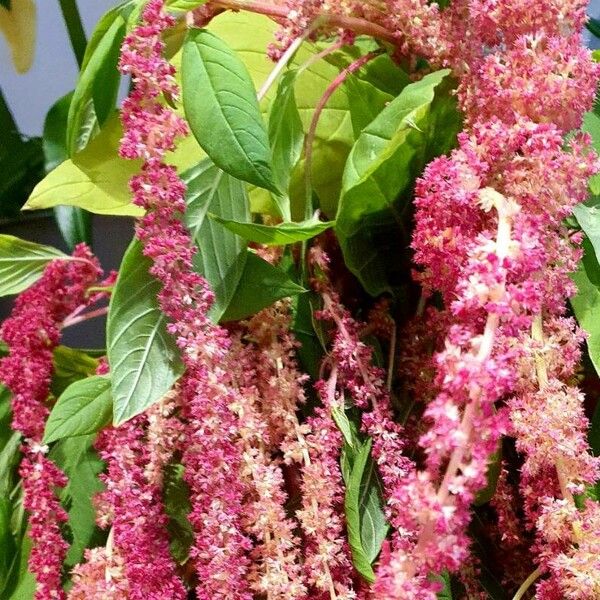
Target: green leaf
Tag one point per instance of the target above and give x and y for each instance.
(221, 107)
(222, 255)
(75, 225)
(346, 427)
(98, 82)
(586, 304)
(143, 357)
(55, 133)
(10, 443)
(96, 178)
(588, 217)
(25, 581)
(372, 89)
(493, 472)
(78, 459)
(184, 5)
(591, 125)
(85, 407)
(70, 365)
(373, 217)
(285, 131)
(260, 285)
(276, 235)
(365, 520)
(22, 263)
(446, 593)
(176, 498)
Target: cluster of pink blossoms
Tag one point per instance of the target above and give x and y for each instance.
(31, 333)
(489, 239)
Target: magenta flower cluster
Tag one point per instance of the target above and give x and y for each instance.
(31, 333)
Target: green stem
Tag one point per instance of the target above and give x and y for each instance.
(74, 25)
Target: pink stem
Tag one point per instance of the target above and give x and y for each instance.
(312, 130)
(357, 25)
(75, 318)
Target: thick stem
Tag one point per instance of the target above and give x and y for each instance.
(75, 29)
(357, 25)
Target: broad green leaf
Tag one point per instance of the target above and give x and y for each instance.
(285, 131)
(143, 357)
(221, 107)
(22, 263)
(70, 365)
(276, 235)
(586, 304)
(85, 407)
(260, 285)
(588, 217)
(176, 498)
(305, 328)
(373, 216)
(97, 178)
(7, 544)
(365, 520)
(98, 82)
(75, 225)
(78, 459)
(221, 254)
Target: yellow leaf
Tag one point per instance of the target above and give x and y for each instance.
(19, 26)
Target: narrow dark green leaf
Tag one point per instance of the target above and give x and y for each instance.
(221, 107)
(75, 225)
(345, 426)
(591, 125)
(98, 82)
(493, 472)
(285, 131)
(55, 133)
(260, 285)
(276, 235)
(143, 357)
(221, 254)
(22, 263)
(365, 520)
(177, 507)
(78, 459)
(84, 408)
(373, 219)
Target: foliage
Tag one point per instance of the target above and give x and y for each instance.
(336, 354)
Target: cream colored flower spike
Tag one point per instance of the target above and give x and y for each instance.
(19, 28)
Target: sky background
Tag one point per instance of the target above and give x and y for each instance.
(54, 70)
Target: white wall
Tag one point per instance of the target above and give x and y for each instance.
(54, 70)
